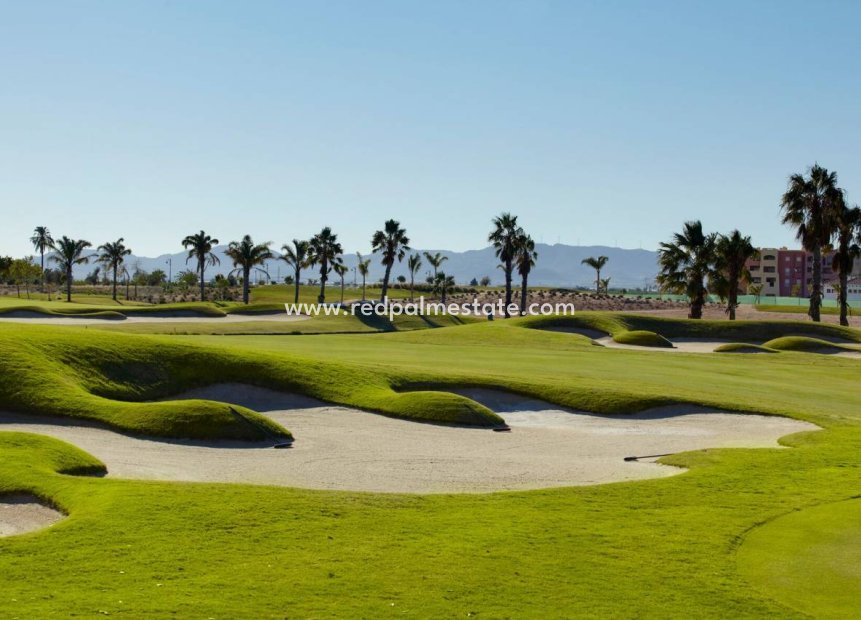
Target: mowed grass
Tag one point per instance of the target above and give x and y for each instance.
(659, 548)
(810, 559)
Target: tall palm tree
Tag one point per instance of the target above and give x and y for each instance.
(435, 261)
(808, 205)
(848, 224)
(504, 238)
(246, 255)
(525, 261)
(324, 250)
(596, 263)
(685, 262)
(68, 253)
(414, 263)
(112, 256)
(42, 242)
(731, 255)
(442, 284)
(392, 243)
(364, 267)
(296, 257)
(200, 247)
(341, 269)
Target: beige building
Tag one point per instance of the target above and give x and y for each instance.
(764, 271)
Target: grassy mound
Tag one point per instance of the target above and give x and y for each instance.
(743, 347)
(780, 557)
(642, 338)
(112, 379)
(809, 345)
(740, 331)
(42, 311)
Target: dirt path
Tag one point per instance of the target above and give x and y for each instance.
(346, 449)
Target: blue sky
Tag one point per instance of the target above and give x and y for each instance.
(597, 122)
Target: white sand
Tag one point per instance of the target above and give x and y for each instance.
(21, 513)
(342, 448)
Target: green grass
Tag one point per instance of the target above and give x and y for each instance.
(613, 323)
(742, 347)
(801, 309)
(659, 548)
(809, 560)
(109, 377)
(812, 345)
(642, 338)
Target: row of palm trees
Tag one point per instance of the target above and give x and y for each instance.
(815, 206)
(70, 252)
(694, 263)
(515, 249)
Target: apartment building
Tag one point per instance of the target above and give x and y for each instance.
(788, 273)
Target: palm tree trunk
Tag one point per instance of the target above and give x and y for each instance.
(697, 303)
(342, 290)
(296, 293)
(733, 294)
(844, 278)
(816, 293)
(597, 281)
(69, 284)
(321, 298)
(523, 290)
(202, 266)
(246, 273)
(363, 287)
(43, 271)
(386, 282)
(507, 287)
(412, 284)
(114, 287)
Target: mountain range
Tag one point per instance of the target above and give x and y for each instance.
(557, 265)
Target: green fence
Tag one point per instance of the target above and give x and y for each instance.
(765, 300)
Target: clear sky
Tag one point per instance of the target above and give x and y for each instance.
(601, 122)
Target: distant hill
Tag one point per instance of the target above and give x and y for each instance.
(557, 265)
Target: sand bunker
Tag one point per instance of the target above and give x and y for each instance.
(347, 449)
(22, 513)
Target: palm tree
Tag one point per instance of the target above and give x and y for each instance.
(296, 257)
(525, 261)
(504, 238)
(341, 269)
(324, 250)
(756, 291)
(112, 256)
(442, 284)
(42, 241)
(68, 253)
(597, 264)
(200, 246)
(414, 263)
(247, 255)
(685, 262)
(435, 261)
(848, 224)
(392, 242)
(730, 267)
(605, 285)
(364, 267)
(808, 205)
